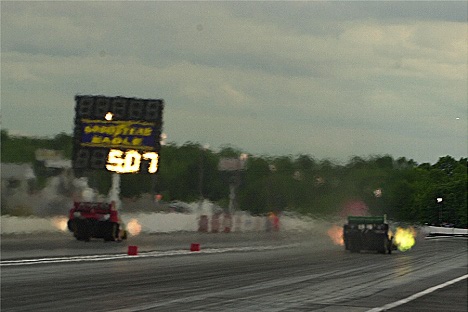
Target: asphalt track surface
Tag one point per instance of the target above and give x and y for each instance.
(231, 272)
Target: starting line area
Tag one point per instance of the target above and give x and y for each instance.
(152, 254)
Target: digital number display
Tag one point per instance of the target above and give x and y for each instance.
(117, 134)
(96, 107)
(130, 161)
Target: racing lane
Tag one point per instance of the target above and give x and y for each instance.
(286, 274)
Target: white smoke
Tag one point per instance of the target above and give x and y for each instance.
(156, 223)
(85, 192)
(56, 198)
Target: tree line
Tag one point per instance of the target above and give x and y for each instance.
(401, 188)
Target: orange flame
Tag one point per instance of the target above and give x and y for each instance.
(336, 235)
(60, 223)
(134, 227)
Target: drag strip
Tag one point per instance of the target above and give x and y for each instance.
(231, 273)
(154, 254)
(418, 295)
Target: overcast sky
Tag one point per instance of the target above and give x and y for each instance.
(328, 79)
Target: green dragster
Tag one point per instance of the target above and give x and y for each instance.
(368, 233)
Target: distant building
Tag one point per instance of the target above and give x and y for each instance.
(51, 163)
(17, 178)
(43, 154)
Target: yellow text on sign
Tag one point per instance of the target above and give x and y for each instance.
(130, 161)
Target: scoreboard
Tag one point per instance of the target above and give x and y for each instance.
(117, 134)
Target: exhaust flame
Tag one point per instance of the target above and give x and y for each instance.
(404, 238)
(60, 223)
(134, 227)
(336, 235)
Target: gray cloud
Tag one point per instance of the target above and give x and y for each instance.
(331, 79)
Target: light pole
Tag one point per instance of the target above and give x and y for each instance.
(233, 167)
(200, 175)
(439, 206)
(154, 181)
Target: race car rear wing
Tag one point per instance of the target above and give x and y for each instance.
(367, 220)
(92, 207)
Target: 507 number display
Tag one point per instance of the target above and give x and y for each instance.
(115, 160)
(130, 161)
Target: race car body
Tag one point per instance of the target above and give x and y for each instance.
(95, 220)
(367, 233)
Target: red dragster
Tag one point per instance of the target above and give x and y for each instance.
(96, 220)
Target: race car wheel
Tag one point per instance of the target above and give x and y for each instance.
(110, 233)
(115, 231)
(390, 245)
(83, 231)
(383, 248)
(77, 233)
(354, 246)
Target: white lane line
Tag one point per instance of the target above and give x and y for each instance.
(154, 254)
(451, 237)
(415, 296)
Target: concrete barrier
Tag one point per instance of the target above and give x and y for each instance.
(442, 231)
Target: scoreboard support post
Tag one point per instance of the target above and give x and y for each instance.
(114, 194)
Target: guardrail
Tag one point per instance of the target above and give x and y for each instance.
(442, 231)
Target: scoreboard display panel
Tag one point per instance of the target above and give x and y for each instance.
(117, 134)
